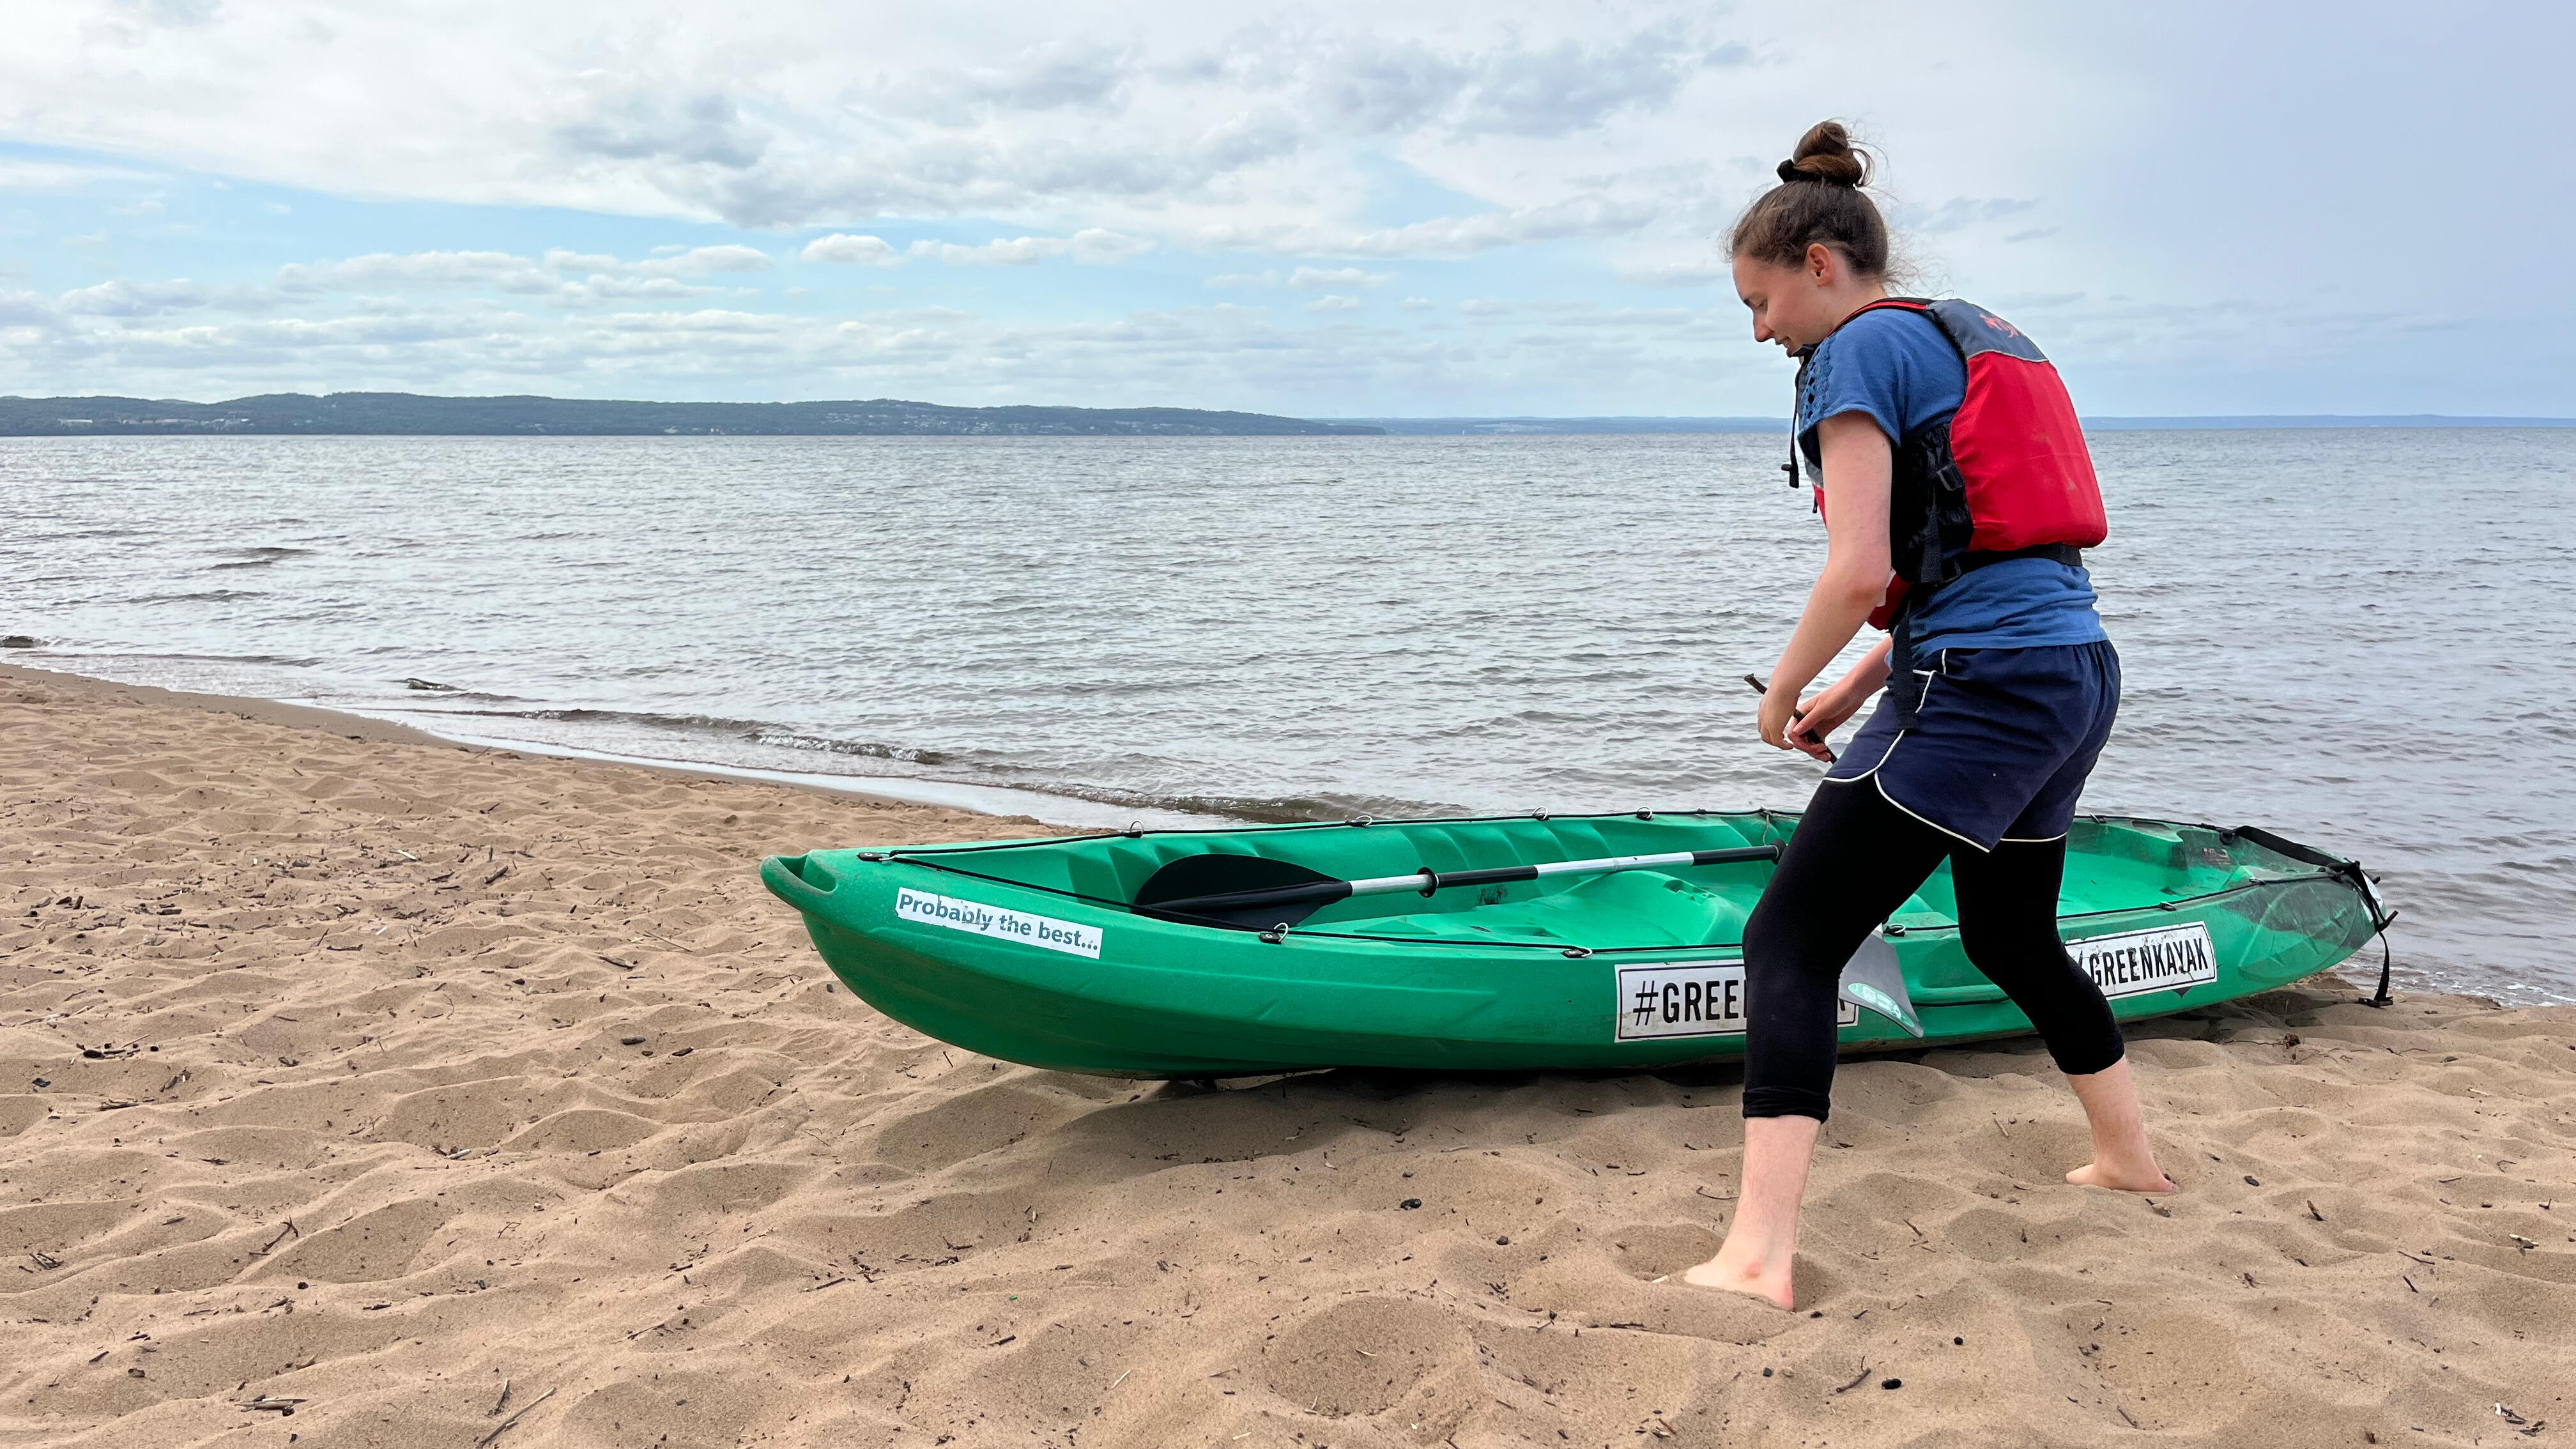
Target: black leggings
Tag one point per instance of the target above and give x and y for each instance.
(1852, 861)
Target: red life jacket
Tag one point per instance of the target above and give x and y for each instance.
(2005, 476)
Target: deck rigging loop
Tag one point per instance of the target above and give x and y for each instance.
(2351, 874)
(2387, 961)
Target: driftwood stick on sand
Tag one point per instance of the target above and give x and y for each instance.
(504, 1426)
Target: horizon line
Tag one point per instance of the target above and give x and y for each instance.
(1702, 419)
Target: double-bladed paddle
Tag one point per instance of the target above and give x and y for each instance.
(1273, 893)
(1180, 888)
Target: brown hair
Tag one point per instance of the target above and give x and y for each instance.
(1818, 200)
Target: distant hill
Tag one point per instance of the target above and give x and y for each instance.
(411, 413)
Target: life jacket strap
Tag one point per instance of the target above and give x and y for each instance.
(2065, 553)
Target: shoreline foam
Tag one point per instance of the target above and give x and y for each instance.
(342, 1115)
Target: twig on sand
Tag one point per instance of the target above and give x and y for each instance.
(281, 1236)
(505, 1424)
(1856, 1378)
(279, 1406)
(501, 1402)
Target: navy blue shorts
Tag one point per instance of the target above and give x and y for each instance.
(2000, 744)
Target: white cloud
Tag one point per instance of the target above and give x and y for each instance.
(1418, 304)
(864, 251)
(803, 113)
(1022, 252)
(1334, 302)
(1338, 277)
(21, 174)
(1098, 246)
(1581, 216)
(1581, 358)
(168, 12)
(27, 310)
(697, 260)
(1094, 246)
(564, 278)
(1534, 149)
(1699, 271)
(1957, 214)
(132, 299)
(1483, 307)
(505, 270)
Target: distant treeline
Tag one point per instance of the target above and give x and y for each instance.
(403, 412)
(412, 413)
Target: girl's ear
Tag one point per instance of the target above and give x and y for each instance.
(1821, 264)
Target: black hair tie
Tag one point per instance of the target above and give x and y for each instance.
(1789, 172)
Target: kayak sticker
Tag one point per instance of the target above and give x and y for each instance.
(1699, 998)
(2169, 958)
(979, 919)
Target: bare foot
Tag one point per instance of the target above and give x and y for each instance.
(2094, 1174)
(1717, 1272)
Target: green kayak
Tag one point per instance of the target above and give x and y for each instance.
(1511, 942)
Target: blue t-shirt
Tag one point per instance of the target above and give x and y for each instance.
(1899, 370)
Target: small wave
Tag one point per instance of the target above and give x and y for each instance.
(758, 732)
(202, 596)
(973, 767)
(862, 749)
(281, 661)
(445, 696)
(717, 724)
(1261, 809)
(260, 557)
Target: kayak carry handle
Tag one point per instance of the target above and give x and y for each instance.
(784, 875)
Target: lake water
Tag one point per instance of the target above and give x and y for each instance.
(2359, 638)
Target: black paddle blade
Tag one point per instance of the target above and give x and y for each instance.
(1211, 875)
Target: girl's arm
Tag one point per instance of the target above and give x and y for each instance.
(1857, 468)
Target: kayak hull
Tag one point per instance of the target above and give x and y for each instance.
(1026, 951)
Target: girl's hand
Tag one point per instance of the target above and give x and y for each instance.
(1806, 725)
(1777, 709)
(1818, 717)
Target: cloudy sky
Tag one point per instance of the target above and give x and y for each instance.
(1328, 209)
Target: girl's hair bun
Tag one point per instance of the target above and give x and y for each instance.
(1783, 222)
(1826, 154)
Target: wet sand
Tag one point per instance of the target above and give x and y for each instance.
(430, 1092)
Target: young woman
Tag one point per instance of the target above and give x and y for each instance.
(1956, 493)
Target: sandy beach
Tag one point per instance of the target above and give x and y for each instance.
(361, 1089)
